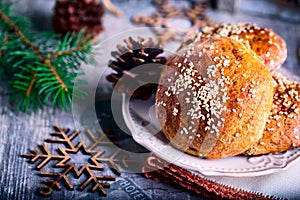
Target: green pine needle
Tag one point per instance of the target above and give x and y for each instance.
(40, 67)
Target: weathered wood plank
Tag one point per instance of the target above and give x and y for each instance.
(20, 132)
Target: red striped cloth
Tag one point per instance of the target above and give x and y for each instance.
(160, 170)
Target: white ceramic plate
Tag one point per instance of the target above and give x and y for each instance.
(136, 115)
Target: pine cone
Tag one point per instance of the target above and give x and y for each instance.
(137, 53)
(73, 15)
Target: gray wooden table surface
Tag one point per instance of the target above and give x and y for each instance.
(20, 132)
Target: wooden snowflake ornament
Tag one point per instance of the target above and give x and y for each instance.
(61, 136)
(116, 156)
(166, 12)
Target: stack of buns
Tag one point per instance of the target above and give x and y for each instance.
(219, 96)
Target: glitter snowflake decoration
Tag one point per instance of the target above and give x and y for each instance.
(62, 136)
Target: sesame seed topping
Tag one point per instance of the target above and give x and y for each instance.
(276, 117)
(278, 124)
(185, 130)
(167, 93)
(191, 64)
(216, 58)
(175, 111)
(211, 71)
(226, 61)
(294, 106)
(205, 94)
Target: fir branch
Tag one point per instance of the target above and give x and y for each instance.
(66, 52)
(5, 40)
(31, 84)
(24, 90)
(47, 62)
(52, 69)
(16, 29)
(40, 67)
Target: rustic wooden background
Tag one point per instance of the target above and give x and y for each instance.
(20, 132)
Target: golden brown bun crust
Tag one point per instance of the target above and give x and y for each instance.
(282, 131)
(270, 47)
(214, 98)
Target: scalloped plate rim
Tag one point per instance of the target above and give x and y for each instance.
(294, 154)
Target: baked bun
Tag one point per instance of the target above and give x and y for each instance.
(282, 131)
(270, 47)
(214, 98)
